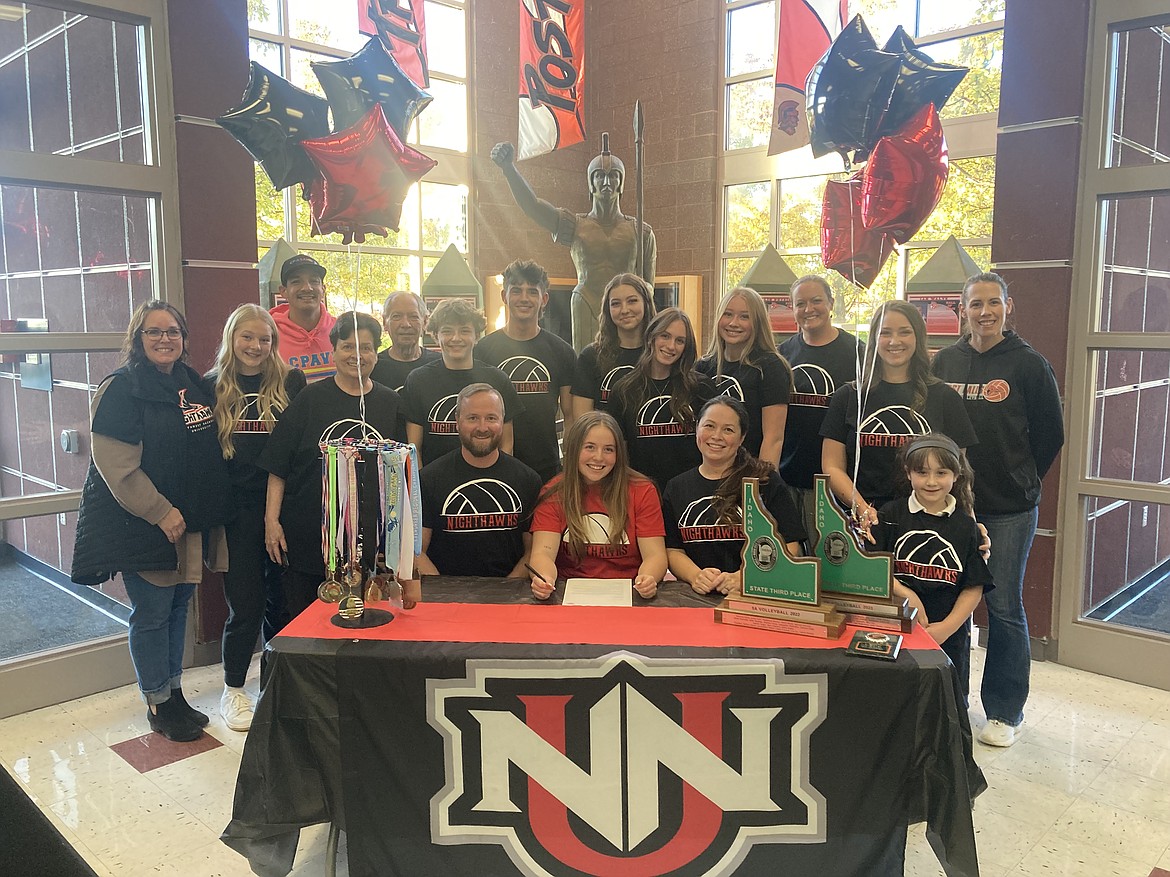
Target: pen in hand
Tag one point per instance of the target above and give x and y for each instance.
(536, 591)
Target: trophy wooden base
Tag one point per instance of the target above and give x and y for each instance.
(892, 608)
(829, 626)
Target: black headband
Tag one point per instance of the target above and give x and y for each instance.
(942, 442)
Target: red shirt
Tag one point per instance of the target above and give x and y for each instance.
(602, 560)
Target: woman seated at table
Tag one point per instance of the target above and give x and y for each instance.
(703, 507)
(599, 519)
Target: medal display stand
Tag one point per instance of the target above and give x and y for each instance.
(780, 592)
(371, 527)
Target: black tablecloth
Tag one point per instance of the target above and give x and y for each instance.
(382, 737)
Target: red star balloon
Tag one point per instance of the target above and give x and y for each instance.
(905, 176)
(847, 246)
(366, 172)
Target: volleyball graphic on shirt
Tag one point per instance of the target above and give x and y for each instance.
(726, 385)
(482, 504)
(927, 557)
(441, 417)
(892, 427)
(597, 530)
(655, 419)
(250, 419)
(699, 523)
(611, 379)
(811, 386)
(350, 429)
(527, 375)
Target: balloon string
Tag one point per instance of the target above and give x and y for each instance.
(356, 341)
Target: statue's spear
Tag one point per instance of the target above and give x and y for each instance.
(639, 156)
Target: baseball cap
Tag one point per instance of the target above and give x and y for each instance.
(295, 263)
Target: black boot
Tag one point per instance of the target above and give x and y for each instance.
(200, 719)
(172, 722)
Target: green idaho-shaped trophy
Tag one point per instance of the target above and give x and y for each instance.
(780, 592)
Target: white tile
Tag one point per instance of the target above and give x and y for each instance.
(1050, 768)
(96, 810)
(1115, 831)
(1002, 841)
(55, 774)
(204, 785)
(1144, 759)
(40, 732)
(212, 860)
(1156, 732)
(149, 840)
(1011, 795)
(1056, 855)
(1164, 862)
(1129, 791)
(1083, 733)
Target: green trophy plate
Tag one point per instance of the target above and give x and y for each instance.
(846, 568)
(768, 569)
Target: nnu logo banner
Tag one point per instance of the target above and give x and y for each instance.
(627, 765)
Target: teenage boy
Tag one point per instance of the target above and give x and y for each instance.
(404, 317)
(539, 364)
(431, 391)
(304, 323)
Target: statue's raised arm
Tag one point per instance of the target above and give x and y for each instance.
(602, 242)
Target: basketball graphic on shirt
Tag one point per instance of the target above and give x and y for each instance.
(597, 530)
(811, 385)
(527, 375)
(892, 427)
(350, 429)
(726, 385)
(482, 504)
(699, 523)
(996, 391)
(928, 557)
(441, 417)
(611, 379)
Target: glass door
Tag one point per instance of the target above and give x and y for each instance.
(1115, 605)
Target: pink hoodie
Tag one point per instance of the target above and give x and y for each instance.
(310, 351)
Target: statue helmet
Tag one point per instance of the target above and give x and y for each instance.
(606, 161)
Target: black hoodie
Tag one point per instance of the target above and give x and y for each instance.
(1013, 401)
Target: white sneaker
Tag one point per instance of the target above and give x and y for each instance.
(997, 733)
(236, 708)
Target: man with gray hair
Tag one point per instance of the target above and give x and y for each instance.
(476, 499)
(404, 317)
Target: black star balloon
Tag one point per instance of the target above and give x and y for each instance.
(272, 118)
(918, 80)
(367, 77)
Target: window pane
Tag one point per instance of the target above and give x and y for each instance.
(269, 207)
(1126, 546)
(379, 273)
(444, 211)
(882, 16)
(749, 113)
(734, 270)
(71, 90)
(444, 121)
(979, 90)
(918, 256)
(446, 39)
(934, 17)
(1129, 439)
(1136, 257)
(800, 211)
(264, 15)
(330, 24)
(748, 225)
(852, 306)
(302, 75)
(267, 55)
(1137, 97)
(751, 39)
(405, 238)
(967, 201)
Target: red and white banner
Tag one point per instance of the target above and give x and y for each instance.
(402, 27)
(552, 75)
(807, 28)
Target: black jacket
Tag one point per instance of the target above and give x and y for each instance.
(1014, 403)
(188, 470)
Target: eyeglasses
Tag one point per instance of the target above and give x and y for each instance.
(154, 334)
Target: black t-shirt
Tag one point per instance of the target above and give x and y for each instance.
(816, 373)
(935, 556)
(756, 386)
(477, 517)
(888, 422)
(590, 383)
(538, 368)
(320, 412)
(660, 446)
(691, 525)
(390, 372)
(430, 395)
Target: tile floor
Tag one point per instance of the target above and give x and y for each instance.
(1085, 792)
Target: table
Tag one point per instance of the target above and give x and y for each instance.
(504, 737)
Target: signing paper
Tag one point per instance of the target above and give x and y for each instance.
(598, 592)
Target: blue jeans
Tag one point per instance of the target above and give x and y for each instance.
(158, 628)
(1009, 654)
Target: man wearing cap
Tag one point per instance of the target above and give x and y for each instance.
(304, 323)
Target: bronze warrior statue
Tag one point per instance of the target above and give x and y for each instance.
(603, 242)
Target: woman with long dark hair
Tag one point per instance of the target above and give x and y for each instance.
(657, 402)
(252, 387)
(598, 518)
(1014, 402)
(703, 508)
(156, 486)
(626, 311)
(900, 399)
